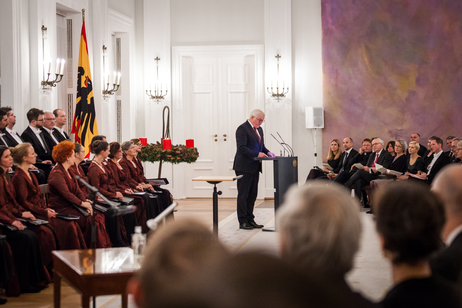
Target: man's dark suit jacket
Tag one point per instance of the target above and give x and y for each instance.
(448, 262)
(49, 139)
(9, 139)
(248, 147)
(59, 136)
(29, 136)
(351, 159)
(442, 161)
(385, 159)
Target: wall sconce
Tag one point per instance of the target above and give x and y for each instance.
(106, 77)
(284, 90)
(47, 84)
(158, 94)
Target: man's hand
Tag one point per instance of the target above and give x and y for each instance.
(46, 162)
(332, 175)
(271, 154)
(261, 154)
(374, 169)
(366, 168)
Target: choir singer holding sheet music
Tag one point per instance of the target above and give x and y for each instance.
(250, 144)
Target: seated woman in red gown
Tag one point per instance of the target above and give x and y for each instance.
(24, 244)
(100, 176)
(67, 232)
(128, 163)
(127, 185)
(66, 196)
(79, 156)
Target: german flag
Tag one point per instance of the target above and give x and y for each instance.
(84, 126)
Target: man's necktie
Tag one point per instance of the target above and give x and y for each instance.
(376, 157)
(344, 162)
(259, 139)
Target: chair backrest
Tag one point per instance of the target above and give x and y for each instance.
(153, 223)
(45, 190)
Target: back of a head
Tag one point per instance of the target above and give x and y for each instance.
(320, 228)
(448, 186)
(174, 250)
(409, 219)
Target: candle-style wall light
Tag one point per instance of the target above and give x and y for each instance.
(46, 83)
(107, 77)
(280, 85)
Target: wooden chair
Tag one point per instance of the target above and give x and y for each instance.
(45, 190)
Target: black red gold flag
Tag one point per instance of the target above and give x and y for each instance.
(84, 125)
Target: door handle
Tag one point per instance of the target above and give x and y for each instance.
(224, 135)
(224, 139)
(216, 140)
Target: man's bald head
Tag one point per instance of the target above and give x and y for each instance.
(448, 186)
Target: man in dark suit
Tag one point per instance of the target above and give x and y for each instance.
(416, 137)
(33, 134)
(447, 263)
(58, 130)
(440, 159)
(250, 144)
(47, 130)
(449, 143)
(3, 123)
(11, 138)
(361, 157)
(347, 158)
(364, 176)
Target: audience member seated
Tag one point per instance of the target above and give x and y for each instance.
(47, 129)
(68, 234)
(3, 124)
(447, 262)
(428, 155)
(416, 137)
(34, 135)
(449, 143)
(454, 158)
(439, 160)
(67, 198)
(415, 164)
(333, 159)
(175, 250)
(409, 222)
(391, 148)
(143, 202)
(100, 177)
(459, 151)
(79, 156)
(320, 229)
(24, 243)
(347, 170)
(369, 172)
(61, 120)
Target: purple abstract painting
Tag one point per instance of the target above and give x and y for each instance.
(390, 68)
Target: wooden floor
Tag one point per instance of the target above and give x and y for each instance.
(197, 208)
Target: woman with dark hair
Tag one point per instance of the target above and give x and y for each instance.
(391, 148)
(100, 176)
(79, 156)
(128, 163)
(67, 198)
(143, 202)
(23, 242)
(333, 159)
(409, 222)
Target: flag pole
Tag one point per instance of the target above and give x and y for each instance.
(83, 15)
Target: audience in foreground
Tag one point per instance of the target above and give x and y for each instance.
(409, 221)
(319, 230)
(448, 186)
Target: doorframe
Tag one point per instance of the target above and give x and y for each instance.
(177, 110)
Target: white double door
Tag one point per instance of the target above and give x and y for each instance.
(218, 95)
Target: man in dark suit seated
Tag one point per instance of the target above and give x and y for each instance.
(416, 137)
(58, 130)
(440, 159)
(347, 158)
(449, 143)
(454, 159)
(47, 129)
(250, 144)
(361, 157)
(447, 263)
(3, 123)
(33, 134)
(369, 172)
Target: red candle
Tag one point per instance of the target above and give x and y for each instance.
(167, 144)
(190, 143)
(144, 141)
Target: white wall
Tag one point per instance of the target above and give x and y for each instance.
(307, 76)
(126, 7)
(217, 22)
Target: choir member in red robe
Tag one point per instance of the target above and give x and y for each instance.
(66, 196)
(24, 244)
(28, 195)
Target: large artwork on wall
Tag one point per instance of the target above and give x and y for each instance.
(392, 67)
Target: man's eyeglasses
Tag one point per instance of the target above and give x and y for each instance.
(260, 120)
(50, 119)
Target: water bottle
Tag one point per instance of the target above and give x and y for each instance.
(138, 244)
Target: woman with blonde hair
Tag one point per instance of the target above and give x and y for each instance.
(333, 159)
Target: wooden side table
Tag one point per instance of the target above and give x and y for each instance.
(94, 272)
(214, 180)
